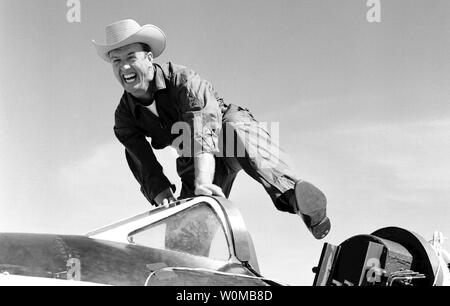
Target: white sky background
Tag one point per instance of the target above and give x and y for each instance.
(363, 109)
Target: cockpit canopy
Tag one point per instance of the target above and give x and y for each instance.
(202, 226)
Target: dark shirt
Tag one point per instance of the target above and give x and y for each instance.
(180, 95)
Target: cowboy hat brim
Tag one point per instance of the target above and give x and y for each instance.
(149, 34)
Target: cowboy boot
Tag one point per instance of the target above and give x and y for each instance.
(310, 204)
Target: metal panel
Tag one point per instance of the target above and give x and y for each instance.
(325, 266)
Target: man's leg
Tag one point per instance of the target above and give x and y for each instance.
(186, 172)
(224, 175)
(265, 162)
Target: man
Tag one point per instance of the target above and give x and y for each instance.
(157, 98)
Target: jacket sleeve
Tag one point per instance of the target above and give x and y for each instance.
(200, 110)
(140, 157)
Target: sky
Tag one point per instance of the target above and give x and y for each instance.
(363, 109)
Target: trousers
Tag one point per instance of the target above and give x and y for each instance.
(245, 144)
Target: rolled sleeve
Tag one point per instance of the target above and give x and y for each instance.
(200, 110)
(141, 159)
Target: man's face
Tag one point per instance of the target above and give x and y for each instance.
(133, 68)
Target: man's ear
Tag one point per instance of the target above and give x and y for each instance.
(150, 56)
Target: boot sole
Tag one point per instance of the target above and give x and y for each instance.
(311, 201)
(309, 198)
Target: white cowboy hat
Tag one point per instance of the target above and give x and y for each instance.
(128, 31)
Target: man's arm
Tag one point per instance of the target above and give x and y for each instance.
(200, 109)
(142, 161)
(204, 165)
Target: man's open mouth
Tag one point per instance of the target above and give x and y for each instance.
(129, 78)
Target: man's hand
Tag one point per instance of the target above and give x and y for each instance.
(205, 165)
(209, 189)
(165, 197)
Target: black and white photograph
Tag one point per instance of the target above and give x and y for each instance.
(209, 143)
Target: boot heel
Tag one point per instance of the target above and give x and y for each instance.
(321, 229)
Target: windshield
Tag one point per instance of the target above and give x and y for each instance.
(196, 230)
